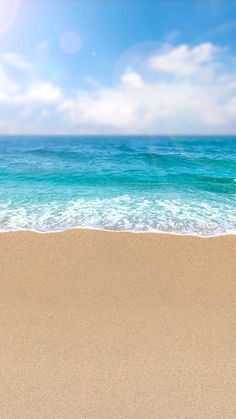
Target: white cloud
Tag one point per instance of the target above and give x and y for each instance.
(16, 60)
(42, 92)
(179, 89)
(14, 92)
(24, 99)
(200, 96)
(132, 79)
(35, 94)
(19, 92)
(7, 85)
(183, 60)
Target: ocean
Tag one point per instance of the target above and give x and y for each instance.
(182, 185)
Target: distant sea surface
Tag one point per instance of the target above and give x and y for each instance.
(183, 185)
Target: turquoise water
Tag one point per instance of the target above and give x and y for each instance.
(181, 185)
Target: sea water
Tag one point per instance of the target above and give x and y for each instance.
(183, 185)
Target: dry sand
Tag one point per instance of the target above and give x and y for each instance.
(117, 325)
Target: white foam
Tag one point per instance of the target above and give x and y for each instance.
(123, 213)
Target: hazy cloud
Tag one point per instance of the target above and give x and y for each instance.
(180, 89)
(199, 96)
(183, 60)
(16, 60)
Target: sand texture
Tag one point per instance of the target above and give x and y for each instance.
(117, 325)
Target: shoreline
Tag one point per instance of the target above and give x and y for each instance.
(155, 232)
(101, 325)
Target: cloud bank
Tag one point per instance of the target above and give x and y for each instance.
(177, 90)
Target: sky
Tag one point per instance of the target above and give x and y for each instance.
(118, 67)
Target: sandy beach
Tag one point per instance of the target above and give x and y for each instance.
(97, 324)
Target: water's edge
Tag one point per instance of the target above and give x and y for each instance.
(153, 232)
(181, 186)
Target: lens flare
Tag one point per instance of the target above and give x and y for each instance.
(70, 42)
(8, 12)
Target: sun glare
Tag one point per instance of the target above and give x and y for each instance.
(8, 12)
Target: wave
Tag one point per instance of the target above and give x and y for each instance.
(182, 186)
(122, 213)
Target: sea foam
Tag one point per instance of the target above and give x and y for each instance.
(181, 185)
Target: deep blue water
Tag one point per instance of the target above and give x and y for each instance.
(174, 184)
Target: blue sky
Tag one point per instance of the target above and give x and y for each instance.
(117, 66)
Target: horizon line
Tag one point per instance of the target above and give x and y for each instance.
(119, 135)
